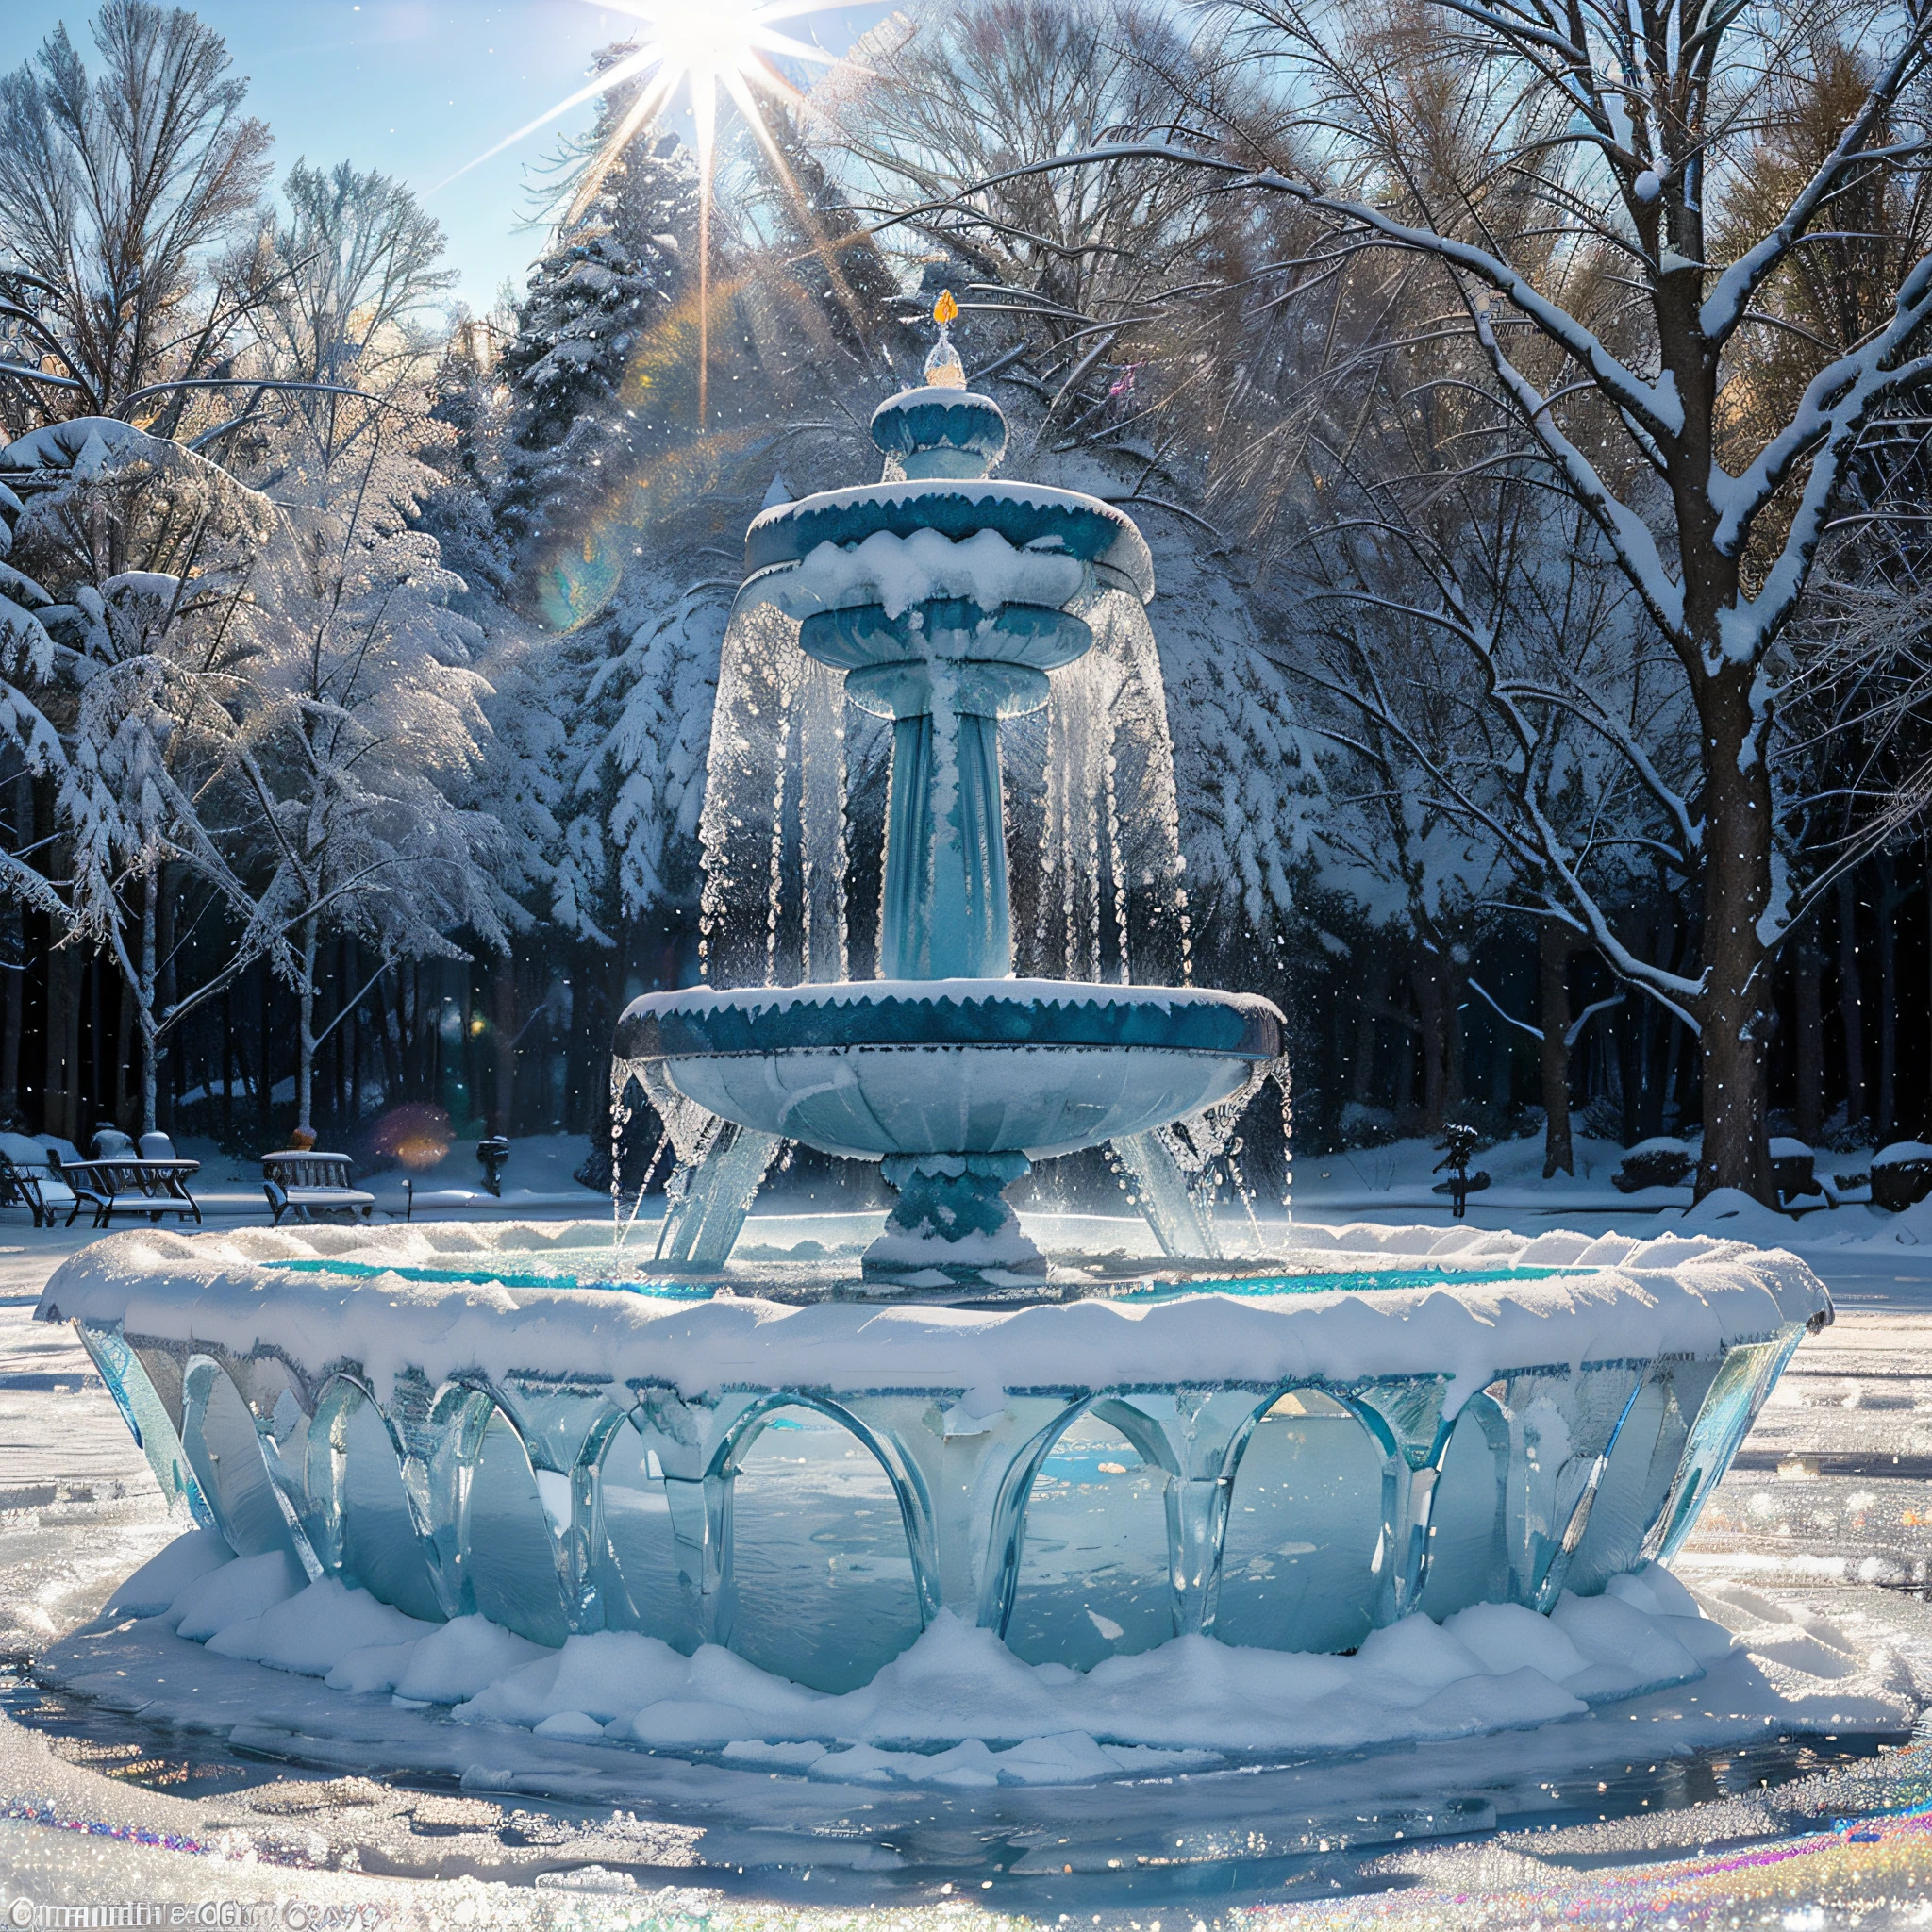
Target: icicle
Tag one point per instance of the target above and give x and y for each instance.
(775, 891)
(1049, 819)
(1116, 867)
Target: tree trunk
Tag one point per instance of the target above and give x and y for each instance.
(1737, 896)
(265, 1063)
(1553, 1051)
(304, 1030)
(61, 1117)
(12, 1022)
(17, 939)
(122, 1080)
(1362, 1076)
(1850, 1002)
(1439, 985)
(144, 1000)
(1890, 900)
(502, 1039)
(1807, 1000)
(167, 987)
(352, 1031)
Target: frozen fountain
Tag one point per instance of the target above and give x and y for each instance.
(811, 1462)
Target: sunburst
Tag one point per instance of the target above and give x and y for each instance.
(710, 48)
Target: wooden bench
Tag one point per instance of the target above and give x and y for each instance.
(306, 1185)
(131, 1186)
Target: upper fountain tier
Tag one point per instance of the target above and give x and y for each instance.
(945, 598)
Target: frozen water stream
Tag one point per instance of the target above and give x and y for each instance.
(1815, 1546)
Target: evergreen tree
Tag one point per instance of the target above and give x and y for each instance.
(614, 273)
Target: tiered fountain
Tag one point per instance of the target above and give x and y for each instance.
(943, 601)
(538, 1424)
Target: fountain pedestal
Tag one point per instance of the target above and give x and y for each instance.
(965, 1195)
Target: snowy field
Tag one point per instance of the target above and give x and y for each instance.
(247, 1785)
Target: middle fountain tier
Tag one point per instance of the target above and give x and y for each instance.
(946, 600)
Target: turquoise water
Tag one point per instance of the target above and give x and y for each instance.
(503, 1277)
(1257, 1287)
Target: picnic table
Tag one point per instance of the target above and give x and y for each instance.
(303, 1183)
(123, 1183)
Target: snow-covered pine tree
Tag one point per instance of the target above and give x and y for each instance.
(606, 289)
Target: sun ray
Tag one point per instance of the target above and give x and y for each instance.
(705, 48)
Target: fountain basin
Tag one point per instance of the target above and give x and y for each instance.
(876, 1068)
(1389, 1420)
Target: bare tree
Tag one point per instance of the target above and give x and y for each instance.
(116, 187)
(933, 123)
(1591, 260)
(347, 272)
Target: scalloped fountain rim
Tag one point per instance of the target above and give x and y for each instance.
(916, 420)
(948, 1012)
(1697, 1297)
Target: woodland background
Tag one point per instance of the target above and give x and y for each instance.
(356, 652)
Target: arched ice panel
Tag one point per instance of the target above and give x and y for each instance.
(217, 1436)
(146, 1416)
(515, 1519)
(1093, 1579)
(353, 1463)
(1469, 1550)
(1730, 1403)
(1635, 1487)
(821, 1571)
(635, 1565)
(1303, 1521)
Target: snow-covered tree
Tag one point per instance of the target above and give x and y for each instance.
(126, 686)
(1589, 262)
(938, 123)
(596, 343)
(119, 190)
(345, 271)
(368, 723)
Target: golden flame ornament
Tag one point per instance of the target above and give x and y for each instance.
(943, 368)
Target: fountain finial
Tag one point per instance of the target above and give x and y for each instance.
(943, 368)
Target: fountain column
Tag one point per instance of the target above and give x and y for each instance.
(944, 600)
(946, 915)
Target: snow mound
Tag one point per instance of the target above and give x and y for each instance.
(310, 1632)
(958, 1707)
(234, 1593)
(898, 572)
(166, 1575)
(1733, 1213)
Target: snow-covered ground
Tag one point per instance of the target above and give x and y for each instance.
(1809, 1555)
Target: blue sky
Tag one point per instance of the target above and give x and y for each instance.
(417, 88)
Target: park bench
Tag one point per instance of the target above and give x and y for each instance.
(138, 1184)
(307, 1184)
(24, 1185)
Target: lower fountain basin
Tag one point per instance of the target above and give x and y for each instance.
(872, 1069)
(1393, 1421)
